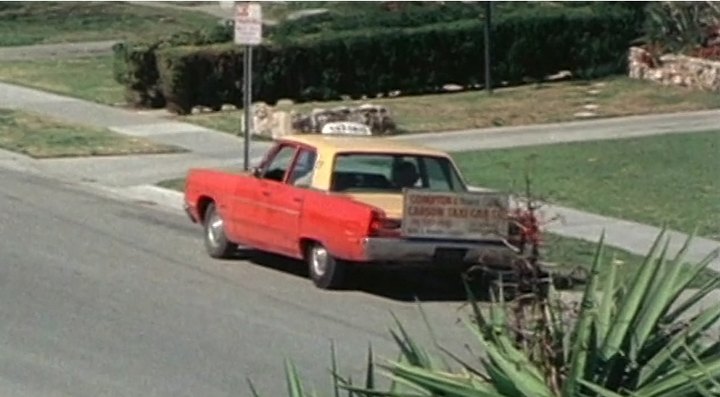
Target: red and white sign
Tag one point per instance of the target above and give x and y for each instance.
(473, 216)
(248, 23)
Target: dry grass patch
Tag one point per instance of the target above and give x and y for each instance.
(40, 137)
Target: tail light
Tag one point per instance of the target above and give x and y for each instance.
(382, 226)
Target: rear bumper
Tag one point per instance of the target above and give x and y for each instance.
(382, 249)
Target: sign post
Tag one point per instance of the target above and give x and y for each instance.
(248, 33)
(488, 21)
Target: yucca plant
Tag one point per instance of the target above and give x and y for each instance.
(636, 338)
(680, 26)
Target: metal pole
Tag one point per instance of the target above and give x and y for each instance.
(247, 100)
(488, 21)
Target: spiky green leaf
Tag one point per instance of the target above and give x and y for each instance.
(439, 382)
(522, 373)
(607, 303)
(253, 390)
(684, 279)
(294, 384)
(630, 304)
(695, 328)
(334, 369)
(599, 390)
(370, 370)
(679, 383)
(579, 355)
(693, 271)
(657, 298)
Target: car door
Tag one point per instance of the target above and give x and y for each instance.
(250, 212)
(287, 201)
(270, 203)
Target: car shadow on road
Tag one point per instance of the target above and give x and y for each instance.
(395, 284)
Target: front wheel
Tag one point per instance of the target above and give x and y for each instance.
(326, 272)
(216, 243)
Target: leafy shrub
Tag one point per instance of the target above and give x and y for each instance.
(417, 60)
(375, 15)
(371, 15)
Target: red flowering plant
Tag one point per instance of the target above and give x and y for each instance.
(524, 270)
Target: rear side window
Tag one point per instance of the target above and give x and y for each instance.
(304, 168)
(440, 175)
(389, 172)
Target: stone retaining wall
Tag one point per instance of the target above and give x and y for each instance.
(677, 70)
(271, 122)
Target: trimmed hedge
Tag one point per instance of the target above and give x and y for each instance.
(377, 15)
(364, 15)
(210, 76)
(414, 61)
(135, 67)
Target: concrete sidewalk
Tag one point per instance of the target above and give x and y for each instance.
(135, 175)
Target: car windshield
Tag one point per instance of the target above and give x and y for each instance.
(365, 172)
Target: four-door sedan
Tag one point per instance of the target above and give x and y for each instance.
(335, 201)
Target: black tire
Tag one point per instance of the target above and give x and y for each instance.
(216, 243)
(326, 271)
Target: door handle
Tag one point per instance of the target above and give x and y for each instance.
(266, 193)
(297, 200)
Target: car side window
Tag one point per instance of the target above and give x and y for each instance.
(278, 166)
(436, 176)
(303, 170)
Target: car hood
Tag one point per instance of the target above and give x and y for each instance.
(391, 203)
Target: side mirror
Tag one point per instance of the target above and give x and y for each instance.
(255, 171)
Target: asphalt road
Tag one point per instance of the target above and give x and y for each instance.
(104, 297)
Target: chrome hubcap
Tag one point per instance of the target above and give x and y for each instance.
(215, 229)
(319, 260)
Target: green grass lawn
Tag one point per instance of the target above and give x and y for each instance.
(668, 178)
(85, 78)
(24, 23)
(557, 102)
(40, 137)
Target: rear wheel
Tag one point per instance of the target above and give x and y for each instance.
(216, 243)
(326, 271)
